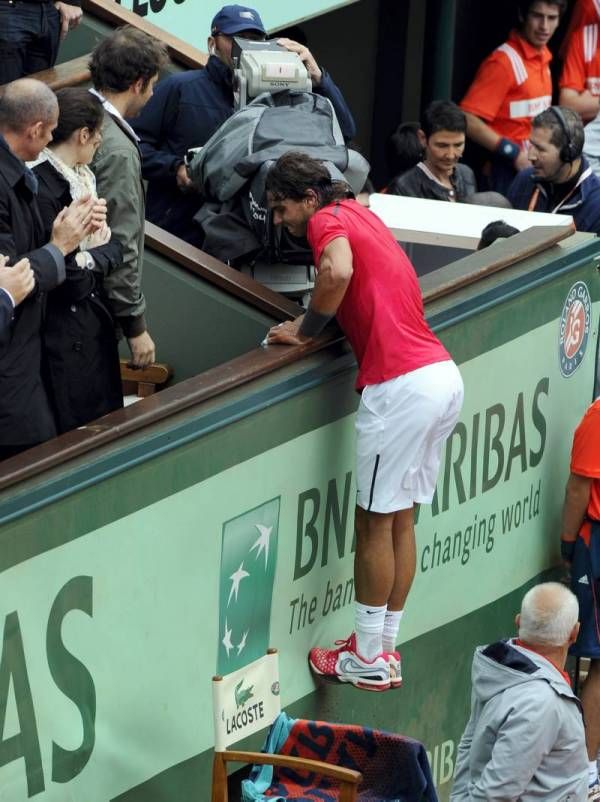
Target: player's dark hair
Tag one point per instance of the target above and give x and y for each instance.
(294, 173)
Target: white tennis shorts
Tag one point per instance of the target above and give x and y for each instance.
(401, 427)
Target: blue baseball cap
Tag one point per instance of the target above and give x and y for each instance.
(233, 19)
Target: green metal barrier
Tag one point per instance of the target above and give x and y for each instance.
(117, 596)
(217, 326)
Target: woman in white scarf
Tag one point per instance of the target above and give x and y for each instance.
(81, 358)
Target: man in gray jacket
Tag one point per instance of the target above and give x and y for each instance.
(125, 67)
(525, 739)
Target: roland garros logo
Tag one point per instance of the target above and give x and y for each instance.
(575, 323)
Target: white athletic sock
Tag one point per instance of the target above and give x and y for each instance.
(390, 629)
(592, 772)
(369, 621)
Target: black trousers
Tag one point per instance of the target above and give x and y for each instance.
(11, 451)
(29, 38)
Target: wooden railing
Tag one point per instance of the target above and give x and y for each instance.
(258, 362)
(219, 274)
(255, 363)
(481, 264)
(70, 73)
(157, 407)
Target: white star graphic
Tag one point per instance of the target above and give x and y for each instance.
(262, 542)
(242, 643)
(227, 639)
(236, 578)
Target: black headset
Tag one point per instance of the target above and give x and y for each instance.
(569, 151)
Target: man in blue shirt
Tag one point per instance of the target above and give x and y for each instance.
(560, 180)
(186, 110)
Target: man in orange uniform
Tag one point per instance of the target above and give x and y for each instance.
(580, 79)
(584, 13)
(511, 87)
(580, 547)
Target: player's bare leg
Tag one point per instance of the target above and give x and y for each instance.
(360, 659)
(405, 557)
(374, 560)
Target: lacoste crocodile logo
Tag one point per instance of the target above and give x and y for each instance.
(242, 695)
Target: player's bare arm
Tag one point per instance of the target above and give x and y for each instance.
(333, 278)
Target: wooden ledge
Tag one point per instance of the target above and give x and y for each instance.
(496, 257)
(219, 274)
(157, 407)
(70, 73)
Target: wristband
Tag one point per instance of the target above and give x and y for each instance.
(567, 550)
(313, 323)
(508, 149)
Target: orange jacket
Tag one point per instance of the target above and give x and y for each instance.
(511, 87)
(581, 69)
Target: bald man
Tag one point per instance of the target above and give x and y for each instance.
(525, 739)
(28, 115)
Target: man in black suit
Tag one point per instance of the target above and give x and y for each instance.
(28, 115)
(15, 285)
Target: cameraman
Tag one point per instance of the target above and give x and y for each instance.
(189, 107)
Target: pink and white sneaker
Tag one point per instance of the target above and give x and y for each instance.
(395, 664)
(344, 664)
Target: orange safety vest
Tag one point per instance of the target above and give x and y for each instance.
(511, 87)
(581, 70)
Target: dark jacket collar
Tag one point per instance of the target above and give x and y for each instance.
(219, 73)
(559, 191)
(504, 653)
(582, 186)
(47, 174)
(13, 169)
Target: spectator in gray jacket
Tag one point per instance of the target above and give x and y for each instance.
(525, 739)
(125, 68)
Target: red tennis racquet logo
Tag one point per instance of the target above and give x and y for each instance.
(575, 325)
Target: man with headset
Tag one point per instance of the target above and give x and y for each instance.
(560, 180)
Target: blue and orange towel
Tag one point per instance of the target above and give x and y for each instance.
(394, 768)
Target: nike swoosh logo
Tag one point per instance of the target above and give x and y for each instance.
(350, 666)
